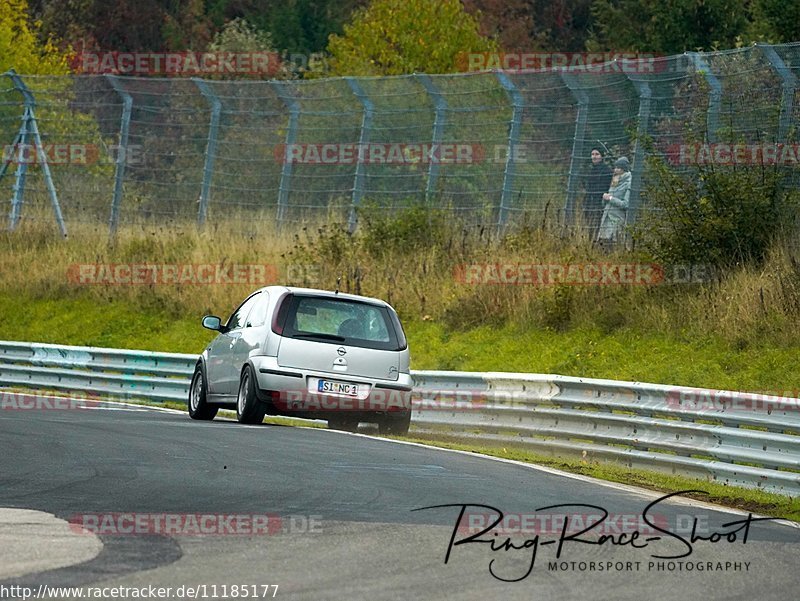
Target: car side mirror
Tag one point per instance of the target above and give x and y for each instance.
(212, 322)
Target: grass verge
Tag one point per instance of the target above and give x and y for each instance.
(746, 499)
(704, 361)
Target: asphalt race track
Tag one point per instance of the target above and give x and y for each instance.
(341, 518)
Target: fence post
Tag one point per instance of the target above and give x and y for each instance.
(440, 118)
(20, 172)
(637, 168)
(578, 140)
(715, 97)
(122, 153)
(788, 87)
(211, 147)
(363, 139)
(513, 138)
(291, 137)
(29, 127)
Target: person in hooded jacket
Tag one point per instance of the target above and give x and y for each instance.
(616, 201)
(597, 183)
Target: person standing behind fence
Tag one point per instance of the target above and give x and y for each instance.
(597, 184)
(616, 204)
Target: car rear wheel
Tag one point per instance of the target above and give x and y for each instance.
(198, 407)
(249, 410)
(395, 424)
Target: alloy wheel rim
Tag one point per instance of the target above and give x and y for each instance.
(195, 396)
(243, 389)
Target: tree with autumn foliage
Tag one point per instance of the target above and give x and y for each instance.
(21, 47)
(667, 27)
(240, 36)
(393, 37)
(534, 25)
(301, 26)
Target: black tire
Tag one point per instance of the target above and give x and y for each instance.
(346, 424)
(397, 425)
(249, 410)
(198, 406)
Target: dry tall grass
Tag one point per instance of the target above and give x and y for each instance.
(413, 267)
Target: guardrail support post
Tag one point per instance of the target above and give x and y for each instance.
(281, 90)
(440, 118)
(578, 140)
(788, 87)
(211, 147)
(363, 140)
(715, 96)
(513, 139)
(122, 154)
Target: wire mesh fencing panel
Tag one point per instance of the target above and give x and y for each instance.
(495, 148)
(59, 144)
(245, 123)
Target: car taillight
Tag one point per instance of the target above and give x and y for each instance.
(279, 317)
(398, 330)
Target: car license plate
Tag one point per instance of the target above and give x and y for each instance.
(333, 387)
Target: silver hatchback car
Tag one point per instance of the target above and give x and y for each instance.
(307, 353)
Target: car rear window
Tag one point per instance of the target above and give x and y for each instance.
(342, 321)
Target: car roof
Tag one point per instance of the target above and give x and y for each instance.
(325, 294)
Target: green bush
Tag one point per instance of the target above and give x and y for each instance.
(717, 216)
(403, 232)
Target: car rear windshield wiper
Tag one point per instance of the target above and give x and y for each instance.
(333, 337)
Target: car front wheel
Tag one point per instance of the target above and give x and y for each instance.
(249, 410)
(198, 407)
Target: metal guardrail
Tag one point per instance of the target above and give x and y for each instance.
(736, 438)
(101, 371)
(733, 438)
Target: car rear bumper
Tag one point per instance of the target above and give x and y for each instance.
(288, 392)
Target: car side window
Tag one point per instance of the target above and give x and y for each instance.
(238, 317)
(258, 316)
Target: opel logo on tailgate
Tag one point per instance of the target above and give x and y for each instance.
(342, 351)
